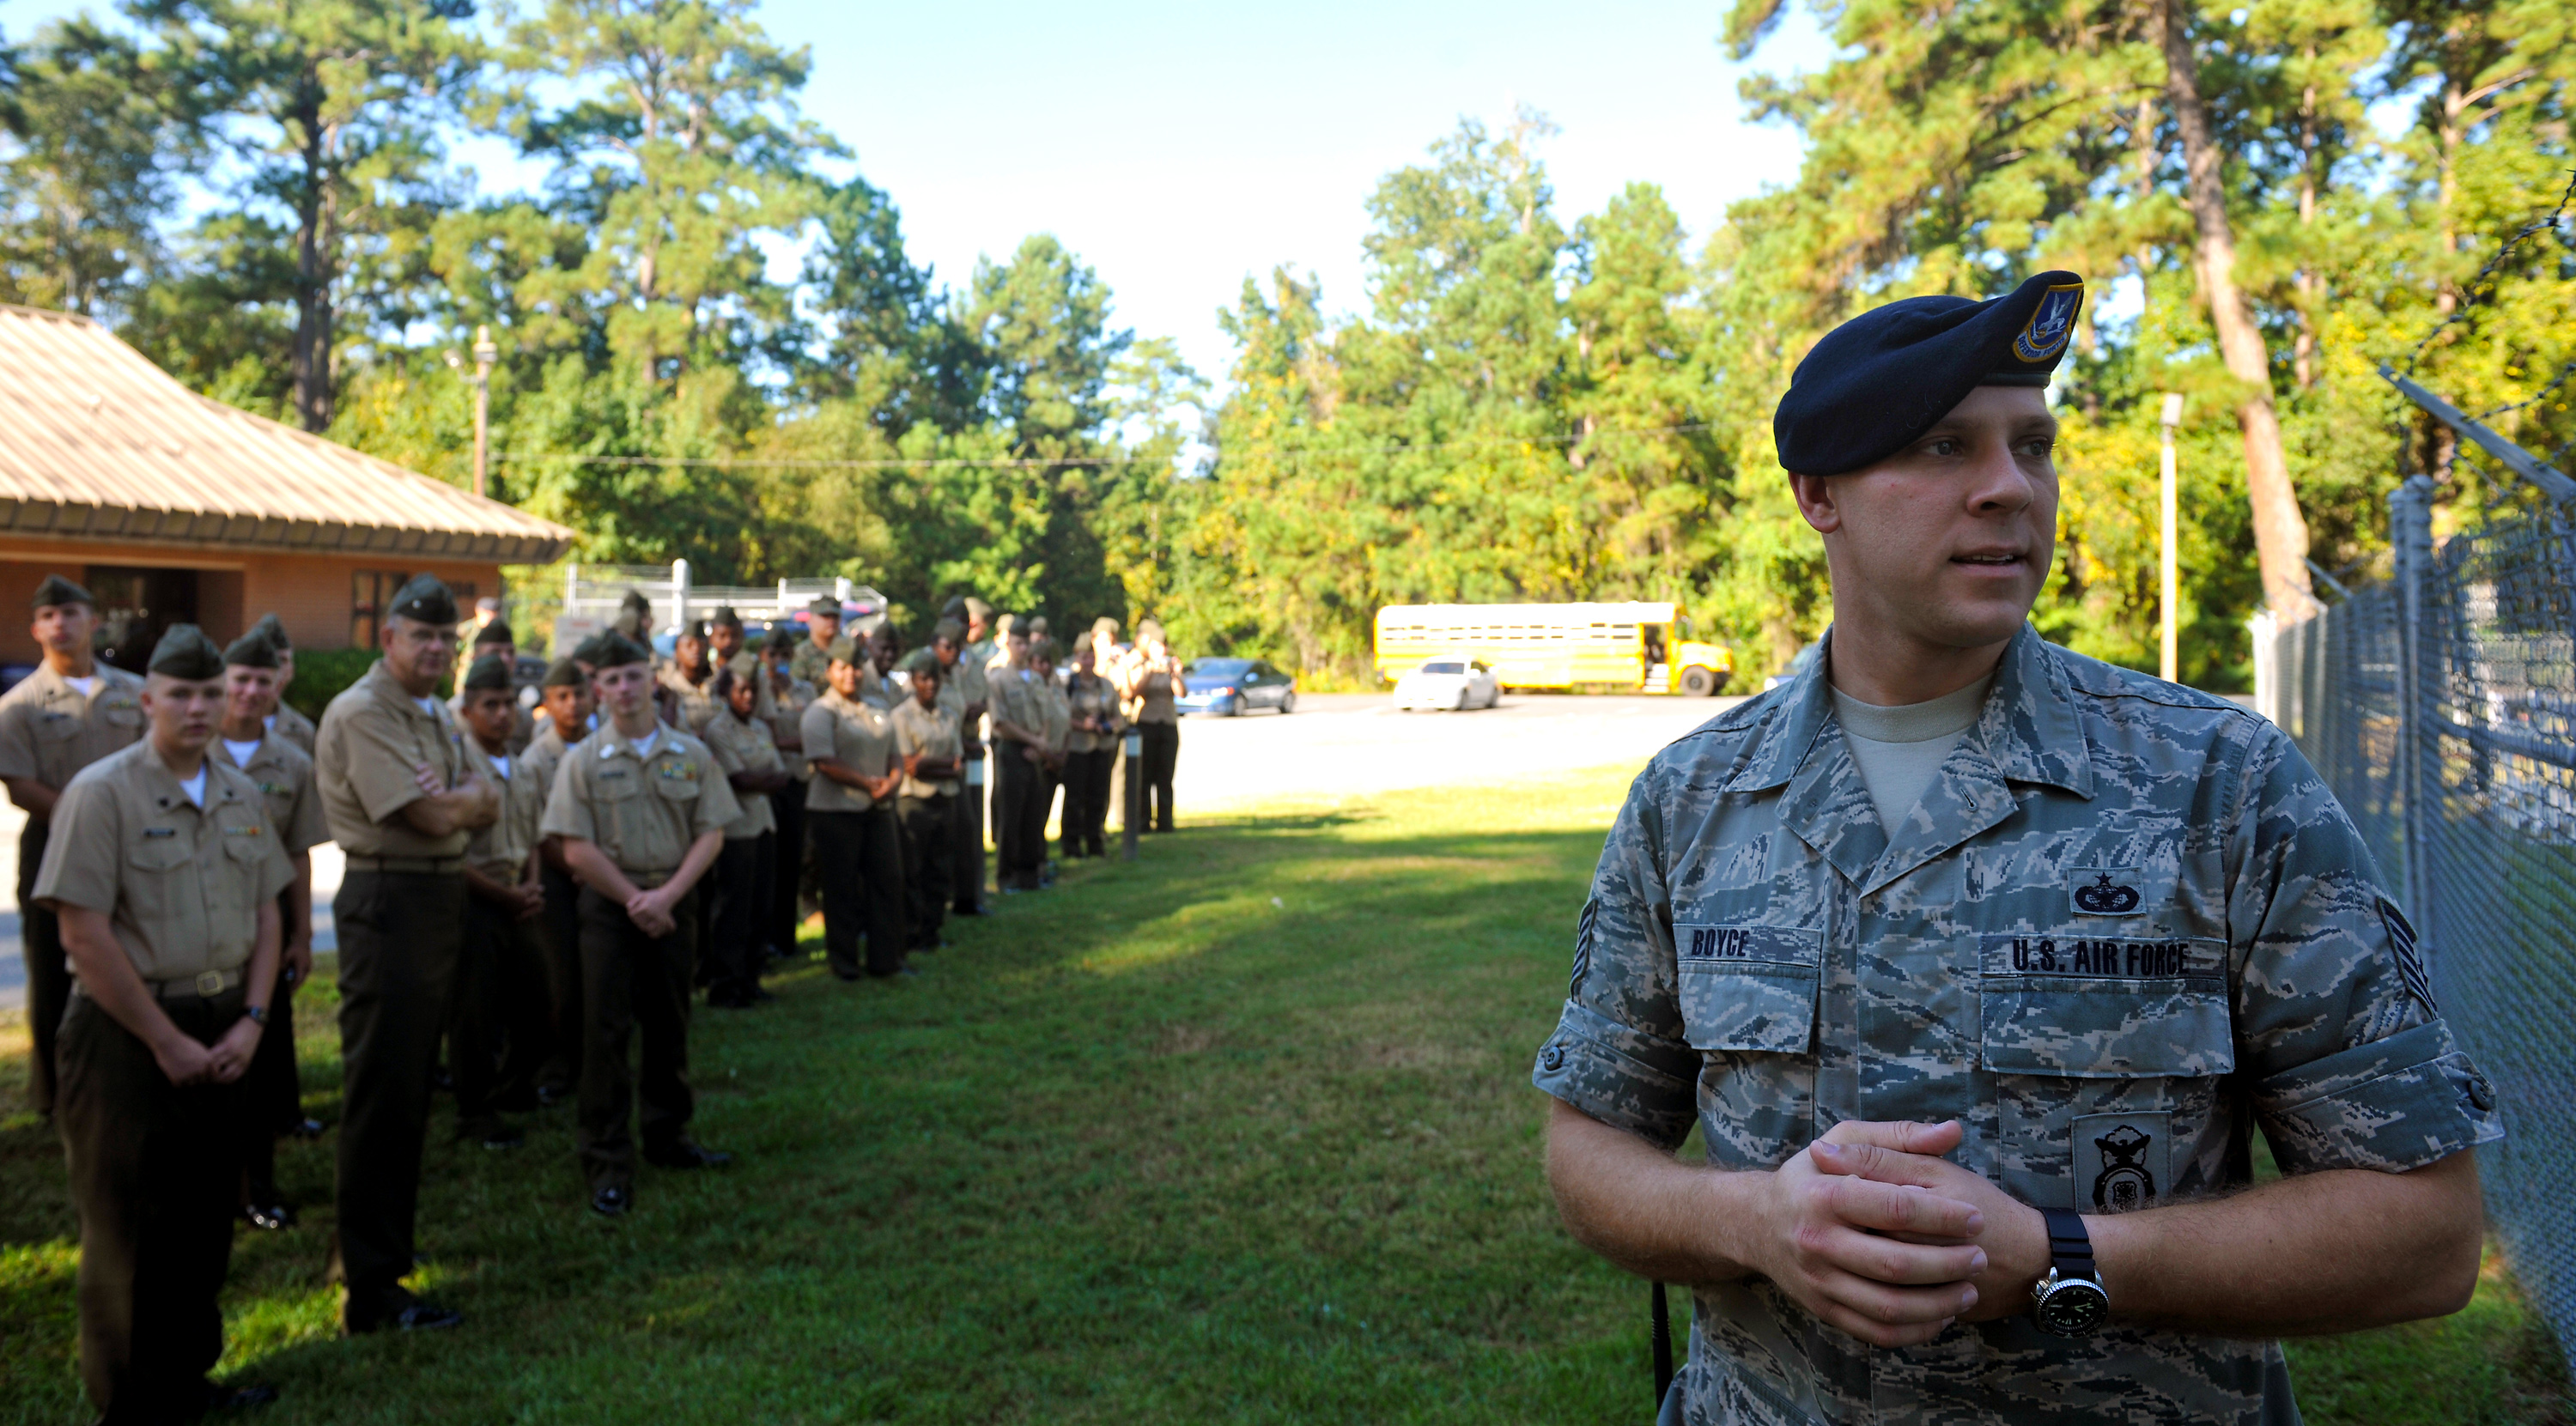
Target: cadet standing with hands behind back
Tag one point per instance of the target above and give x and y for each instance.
(165, 874)
(72, 711)
(402, 799)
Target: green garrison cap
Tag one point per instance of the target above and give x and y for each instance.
(489, 671)
(184, 651)
(780, 638)
(58, 590)
(270, 628)
(636, 601)
(845, 650)
(725, 618)
(588, 650)
(955, 608)
(824, 607)
(950, 630)
(919, 660)
(496, 632)
(617, 651)
(564, 673)
(251, 650)
(1006, 625)
(977, 608)
(425, 599)
(1149, 628)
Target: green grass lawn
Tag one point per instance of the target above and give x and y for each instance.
(1242, 1132)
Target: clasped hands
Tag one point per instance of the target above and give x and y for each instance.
(185, 1062)
(1874, 1232)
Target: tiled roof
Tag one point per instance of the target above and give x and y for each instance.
(97, 443)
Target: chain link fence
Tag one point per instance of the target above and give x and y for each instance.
(2441, 707)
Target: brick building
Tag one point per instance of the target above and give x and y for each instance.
(174, 508)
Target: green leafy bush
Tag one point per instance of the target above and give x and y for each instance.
(320, 674)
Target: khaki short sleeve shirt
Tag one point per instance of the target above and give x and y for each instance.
(372, 737)
(181, 885)
(2125, 927)
(1092, 697)
(642, 811)
(930, 732)
(859, 737)
(787, 725)
(1055, 715)
(545, 755)
(974, 671)
(745, 746)
(50, 730)
(284, 776)
(696, 703)
(500, 851)
(294, 727)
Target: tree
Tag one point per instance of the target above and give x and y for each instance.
(96, 132)
(332, 105)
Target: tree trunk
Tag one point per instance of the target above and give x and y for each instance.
(2280, 531)
(2303, 349)
(312, 355)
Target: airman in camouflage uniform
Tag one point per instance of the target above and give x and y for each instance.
(2124, 927)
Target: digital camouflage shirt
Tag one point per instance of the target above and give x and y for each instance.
(2126, 927)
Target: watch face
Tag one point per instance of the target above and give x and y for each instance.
(2074, 1308)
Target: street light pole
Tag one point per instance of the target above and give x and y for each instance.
(484, 355)
(2169, 665)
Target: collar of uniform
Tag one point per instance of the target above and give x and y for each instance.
(612, 742)
(164, 786)
(106, 675)
(387, 690)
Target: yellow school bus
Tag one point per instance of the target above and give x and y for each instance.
(1640, 648)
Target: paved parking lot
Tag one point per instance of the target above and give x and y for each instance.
(1335, 745)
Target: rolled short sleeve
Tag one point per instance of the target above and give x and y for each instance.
(2350, 1062)
(568, 802)
(380, 764)
(815, 731)
(717, 807)
(18, 739)
(84, 855)
(720, 743)
(305, 829)
(1618, 1052)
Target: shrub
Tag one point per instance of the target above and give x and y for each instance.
(320, 675)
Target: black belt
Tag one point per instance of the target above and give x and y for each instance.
(419, 866)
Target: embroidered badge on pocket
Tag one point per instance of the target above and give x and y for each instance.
(2105, 891)
(2123, 1161)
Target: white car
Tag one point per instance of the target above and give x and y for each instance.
(1453, 683)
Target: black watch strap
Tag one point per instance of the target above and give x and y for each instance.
(2070, 1248)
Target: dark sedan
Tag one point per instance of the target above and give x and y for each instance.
(1227, 687)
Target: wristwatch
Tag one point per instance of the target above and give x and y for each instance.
(258, 1014)
(2069, 1302)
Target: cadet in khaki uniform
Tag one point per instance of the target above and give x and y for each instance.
(1055, 713)
(273, 1092)
(69, 713)
(1151, 679)
(402, 796)
(849, 812)
(964, 687)
(1977, 964)
(563, 721)
(1019, 757)
(641, 810)
(788, 698)
(685, 682)
(813, 659)
(740, 884)
(285, 722)
(497, 1033)
(165, 874)
(925, 738)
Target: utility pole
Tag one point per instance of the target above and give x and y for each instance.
(485, 354)
(2169, 666)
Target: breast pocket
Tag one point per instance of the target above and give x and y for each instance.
(157, 883)
(2107, 1052)
(1749, 987)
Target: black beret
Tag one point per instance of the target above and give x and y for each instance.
(489, 671)
(496, 632)
(270, 628)
(636, 601)
(1876, 383)
(725, 618)
(58, 590)
(251, 650)
(184, 651)
(824, 607)
(781, 638)
(564, 673)
(425, 599)
(617, 651)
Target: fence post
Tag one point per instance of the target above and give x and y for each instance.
(679, 598)
(2410, 529)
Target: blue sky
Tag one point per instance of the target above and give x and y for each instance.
(1179, 148)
